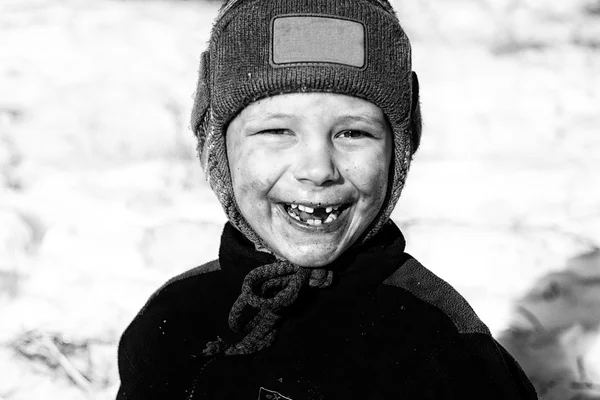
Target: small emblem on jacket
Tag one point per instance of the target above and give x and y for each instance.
(266, 394)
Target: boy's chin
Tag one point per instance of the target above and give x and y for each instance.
(311, 258)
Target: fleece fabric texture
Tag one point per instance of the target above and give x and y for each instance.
(385, 328)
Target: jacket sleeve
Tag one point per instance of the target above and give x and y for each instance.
(150, 363)
(156, 359)
(143, 366)
(474, 366)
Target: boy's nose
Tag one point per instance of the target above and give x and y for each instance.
(316, 165)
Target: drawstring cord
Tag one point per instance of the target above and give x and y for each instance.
(278, 285)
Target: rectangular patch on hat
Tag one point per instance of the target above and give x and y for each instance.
(317, 39)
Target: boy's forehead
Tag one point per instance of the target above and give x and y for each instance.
(295, 106)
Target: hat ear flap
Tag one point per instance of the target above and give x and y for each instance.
(201, 101)
(415, 115)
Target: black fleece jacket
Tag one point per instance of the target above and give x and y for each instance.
(386, 328)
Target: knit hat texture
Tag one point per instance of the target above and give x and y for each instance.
(261, 48)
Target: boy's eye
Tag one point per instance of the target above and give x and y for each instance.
(353, 134)
(274, 132)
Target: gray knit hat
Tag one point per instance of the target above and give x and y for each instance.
(261, 48)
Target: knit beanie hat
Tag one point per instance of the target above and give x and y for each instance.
(262, 48)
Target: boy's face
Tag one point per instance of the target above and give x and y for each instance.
(309, 171)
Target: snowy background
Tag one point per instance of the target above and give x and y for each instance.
(102, 198)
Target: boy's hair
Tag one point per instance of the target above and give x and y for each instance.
(261, 48)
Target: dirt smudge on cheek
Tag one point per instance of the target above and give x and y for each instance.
(250, 195)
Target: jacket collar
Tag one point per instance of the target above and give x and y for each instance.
(360, 268)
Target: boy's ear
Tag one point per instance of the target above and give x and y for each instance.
(415, 114)
(202, 97)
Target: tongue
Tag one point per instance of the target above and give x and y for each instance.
(304, 216)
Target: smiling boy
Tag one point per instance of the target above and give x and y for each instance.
(307, 118)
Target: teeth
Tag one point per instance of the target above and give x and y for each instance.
(306, 209)
(310, 210)
(314, 222)
(331, 218)
(291, 214)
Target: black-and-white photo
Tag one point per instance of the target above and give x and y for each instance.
(299, 199)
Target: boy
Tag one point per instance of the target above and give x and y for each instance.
(307, 117)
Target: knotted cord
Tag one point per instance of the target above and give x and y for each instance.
(270, 289)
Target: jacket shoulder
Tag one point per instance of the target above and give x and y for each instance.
(200, 270)
(210, 266)
(428, 287)
(170, 285)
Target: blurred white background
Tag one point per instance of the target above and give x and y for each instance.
(102, 197)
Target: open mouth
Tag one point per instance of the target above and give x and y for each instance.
(315, 215)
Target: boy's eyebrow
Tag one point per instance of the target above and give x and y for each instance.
(366, 119)
(270, 115)
(363, 118)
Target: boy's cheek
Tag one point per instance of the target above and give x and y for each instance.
(251, 189)
(241, 164)
(369, 176)
(254, 176)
